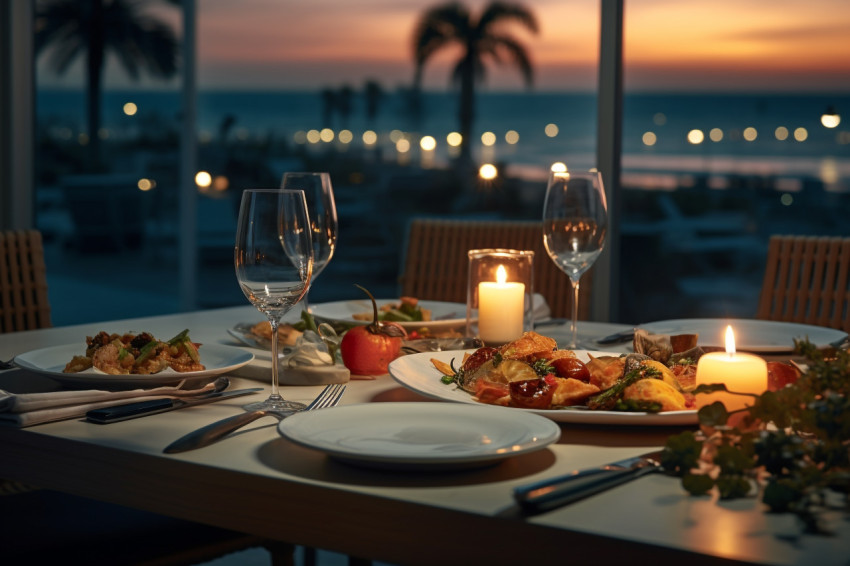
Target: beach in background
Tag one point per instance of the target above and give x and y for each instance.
(695, 217)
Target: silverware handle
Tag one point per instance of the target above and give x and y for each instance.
(212, 432)
(556, 492)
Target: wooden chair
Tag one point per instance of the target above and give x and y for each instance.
(436, 262)
(807, 280)
(23, 282)
(48, 526)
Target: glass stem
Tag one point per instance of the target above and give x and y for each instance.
(274, 322)
(574, 319)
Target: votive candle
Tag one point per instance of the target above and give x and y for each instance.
(740, 372)
(501, 305)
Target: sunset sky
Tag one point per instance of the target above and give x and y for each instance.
(736, 45)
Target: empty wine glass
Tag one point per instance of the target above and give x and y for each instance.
(274, 263)
(321, 210)
(575, 221)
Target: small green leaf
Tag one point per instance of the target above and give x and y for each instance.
(697, 484)
(713, 415)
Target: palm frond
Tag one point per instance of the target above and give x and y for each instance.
(497, 12)
(500, 46)
(438, 27)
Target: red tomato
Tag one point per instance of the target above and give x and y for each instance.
(489, 392)
(571, 367)
(365, 352)
(478, 358)
(531, 394)
(780, 374)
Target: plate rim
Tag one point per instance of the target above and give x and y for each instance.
(23, 361)
(539, 439)
(755, 348)
(616, 418)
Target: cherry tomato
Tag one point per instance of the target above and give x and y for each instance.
(531, 394)
(780, 374)
(489, 392)
(365, 352)
(571, 367)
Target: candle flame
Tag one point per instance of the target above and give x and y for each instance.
(730, 341)
(501, 275)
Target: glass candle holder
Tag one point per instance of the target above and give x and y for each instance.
(499, 300)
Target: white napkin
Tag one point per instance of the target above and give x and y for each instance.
(27, 409)
(540, 307)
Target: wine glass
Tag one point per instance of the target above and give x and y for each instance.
(321, 210)
(575, 220)
(274, 264)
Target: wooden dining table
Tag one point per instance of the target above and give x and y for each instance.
(258, 482)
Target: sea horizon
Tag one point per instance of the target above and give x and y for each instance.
(662, 117)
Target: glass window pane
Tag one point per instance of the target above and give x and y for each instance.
(724, 145)
(287, 88)
(283, 87)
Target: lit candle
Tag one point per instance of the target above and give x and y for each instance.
(500, 309)
(742, 373)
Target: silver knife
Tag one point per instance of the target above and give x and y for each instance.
(127, 411)
(554, 492)
(623, 336)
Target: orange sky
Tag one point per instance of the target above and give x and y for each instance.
(669, 44)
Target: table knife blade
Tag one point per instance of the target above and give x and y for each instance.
(127, 411)
(623, 336)
(555, 492)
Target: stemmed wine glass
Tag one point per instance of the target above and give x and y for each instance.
(274, 264)
(575, 221)
(321, 210)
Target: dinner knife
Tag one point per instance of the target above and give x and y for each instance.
(118, 413)
(555, 492)
(623, 336)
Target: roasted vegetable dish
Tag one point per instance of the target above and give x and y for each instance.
(533, 373)
(120, 354)
(407, 309)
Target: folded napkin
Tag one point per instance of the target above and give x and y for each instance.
(540, 307)
(27, 409)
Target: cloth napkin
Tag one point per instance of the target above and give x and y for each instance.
(540, 307)
(27, 409)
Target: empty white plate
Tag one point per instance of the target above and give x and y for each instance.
(422, 436)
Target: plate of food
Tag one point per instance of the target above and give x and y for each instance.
(132, 360)
(432, 318)
(750, 335)
(259, 334)
(420, 436)
(566, 386)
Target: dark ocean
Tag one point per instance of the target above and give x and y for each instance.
(669, 117)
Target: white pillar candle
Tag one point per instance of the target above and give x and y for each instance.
(741, 373)
(501, 306)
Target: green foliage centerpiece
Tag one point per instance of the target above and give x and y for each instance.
(794, 443)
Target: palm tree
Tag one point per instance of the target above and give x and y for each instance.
(94, 27)
(481, 39)
(373, 94)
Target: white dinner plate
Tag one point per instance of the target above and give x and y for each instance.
(416, 372)
(51, 361)
(444, 316)
(750, 335)
(420, 435)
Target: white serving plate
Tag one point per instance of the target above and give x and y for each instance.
(750, 335)
(420, 436)
(51, 361)
(444, 316)
(416, 372)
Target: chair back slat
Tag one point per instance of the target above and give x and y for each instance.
(806, 281)
(24, 303)
(436, 264)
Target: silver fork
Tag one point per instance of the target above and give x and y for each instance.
(205, 436)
